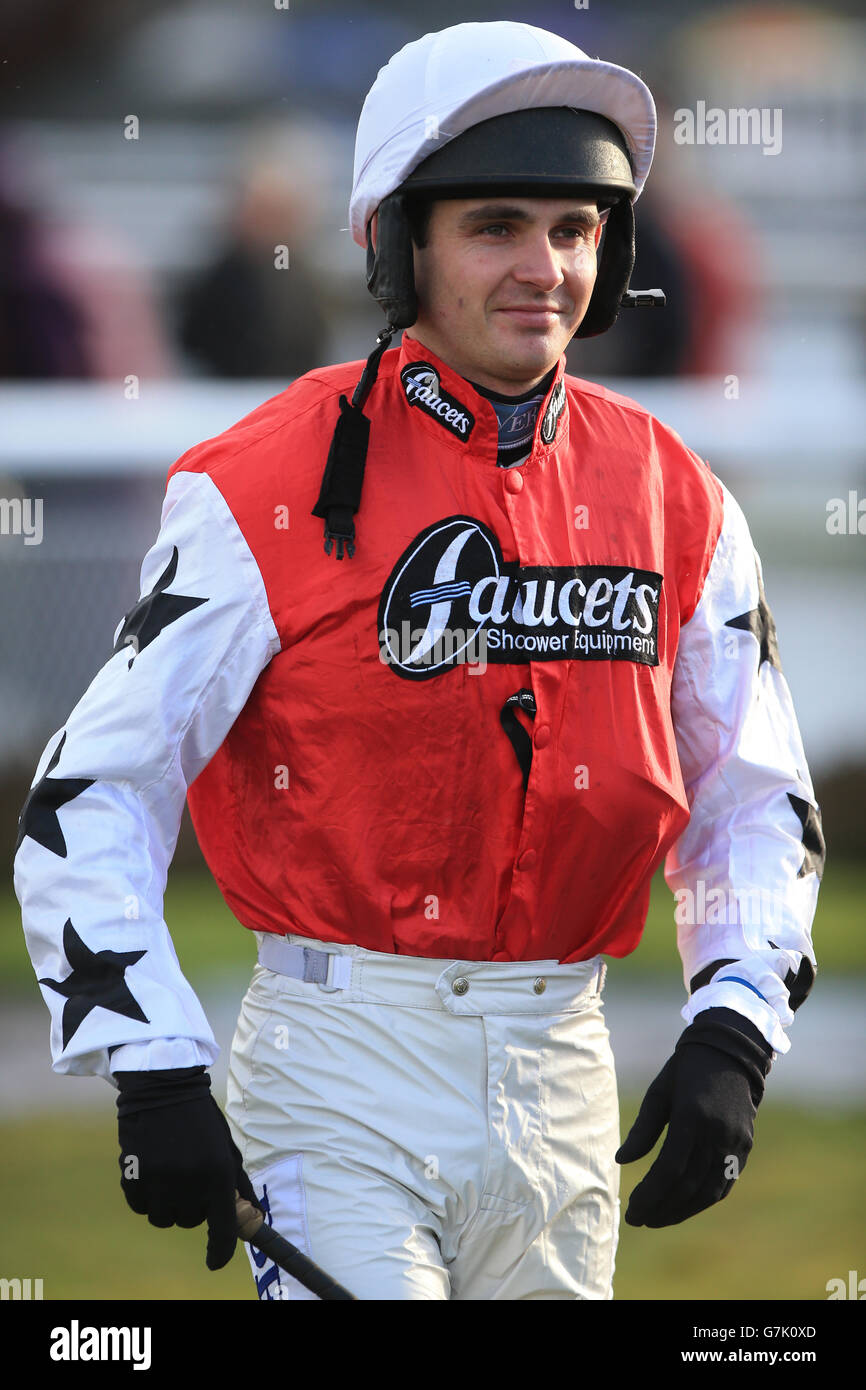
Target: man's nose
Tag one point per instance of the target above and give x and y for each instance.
(538, 263)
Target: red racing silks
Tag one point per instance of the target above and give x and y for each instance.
(367, 792)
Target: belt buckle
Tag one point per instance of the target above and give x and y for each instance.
(321, 969)
(316, 966)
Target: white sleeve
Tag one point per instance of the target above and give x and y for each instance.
(745, 870)
(99, 828)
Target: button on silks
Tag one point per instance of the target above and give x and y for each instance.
(514, 480)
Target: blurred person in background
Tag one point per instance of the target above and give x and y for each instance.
(42, 328)
(237, 318)
(701, 248)
(74, 303)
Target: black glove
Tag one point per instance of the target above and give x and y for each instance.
(707, 1094)
(187, 1165)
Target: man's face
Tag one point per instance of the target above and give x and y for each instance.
(504, 283)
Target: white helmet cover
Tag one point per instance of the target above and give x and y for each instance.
(438, 86)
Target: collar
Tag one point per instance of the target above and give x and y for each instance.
(447, 405)
(502, 399)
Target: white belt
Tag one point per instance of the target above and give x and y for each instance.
(459, 986)
(304, 962)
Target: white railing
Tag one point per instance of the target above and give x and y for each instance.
(791, 427)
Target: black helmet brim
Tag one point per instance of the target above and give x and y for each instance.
(547, 151)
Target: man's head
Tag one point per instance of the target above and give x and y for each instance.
(497, 109)
(502, 282)
(490, 111)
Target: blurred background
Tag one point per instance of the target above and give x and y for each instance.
(152, 161)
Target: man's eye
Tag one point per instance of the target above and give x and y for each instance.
(500, 229)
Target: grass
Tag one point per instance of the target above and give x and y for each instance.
(793, 1221)
(209, 940)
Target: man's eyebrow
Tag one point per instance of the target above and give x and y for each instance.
(493, 212)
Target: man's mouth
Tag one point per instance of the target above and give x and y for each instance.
(532, 313)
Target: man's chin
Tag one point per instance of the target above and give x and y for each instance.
(529, 343)
(524, 361)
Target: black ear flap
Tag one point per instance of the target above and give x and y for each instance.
(614, 271)
(391, 267)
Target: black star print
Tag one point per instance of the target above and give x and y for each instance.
(155, 611)
(799, 985)
(760, 623)
(813, 836)
(96, 982)
(38, 817)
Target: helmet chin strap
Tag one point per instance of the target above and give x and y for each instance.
(391, 281)
(343, 478)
